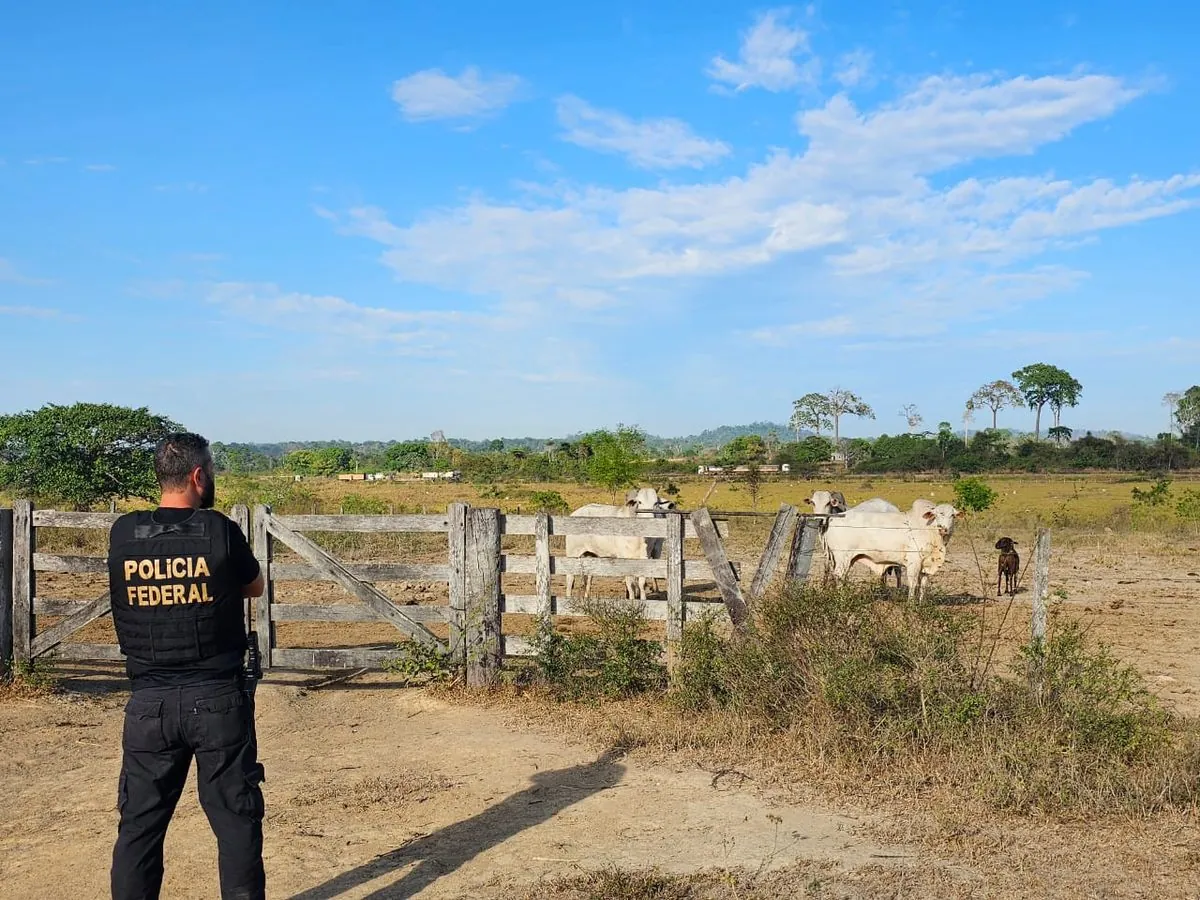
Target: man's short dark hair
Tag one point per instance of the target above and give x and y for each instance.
(177, 456)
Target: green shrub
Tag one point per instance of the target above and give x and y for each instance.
(417, 662)
(614, 661)
(358, 505)
(548, 501)
(973, 494)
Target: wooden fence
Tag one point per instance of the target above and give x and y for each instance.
(473, 571)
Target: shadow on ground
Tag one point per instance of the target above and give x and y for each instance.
(448, 849)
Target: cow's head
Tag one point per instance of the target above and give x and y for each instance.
(824, 502)
(1005, 545)
(943, 517)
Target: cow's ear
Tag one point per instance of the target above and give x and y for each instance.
(929, 516)
(808, 500)
(631, 502)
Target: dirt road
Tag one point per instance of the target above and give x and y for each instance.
(388, 792)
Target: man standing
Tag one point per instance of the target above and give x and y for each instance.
(177, 576)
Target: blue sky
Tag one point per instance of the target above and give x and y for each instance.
(371, 220)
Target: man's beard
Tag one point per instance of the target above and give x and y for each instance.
(209, 495)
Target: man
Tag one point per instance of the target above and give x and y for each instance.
(178, 576)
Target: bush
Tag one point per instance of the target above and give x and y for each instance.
(416, 662)
(882, 689)
(615, 661)
(358, 505)
(549, 501)
(973, 494)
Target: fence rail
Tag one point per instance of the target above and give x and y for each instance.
(474, 570)
(475, 566)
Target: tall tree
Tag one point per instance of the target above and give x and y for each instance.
(998, 395)
(810, 411)
(1065, 393)
(81, 454)
(617, 458)
(1171, 402)
(1043, 384)
(910, 415)
(845, 403)
(1187, 413)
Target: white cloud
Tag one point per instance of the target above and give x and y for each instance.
(100, 167)
(946, 121)
(46, 161)
(34, 312)
(857, 210)
(10, 274)
(854, 69)
(649, 143)
(432, 94)
(768, 57)
(411, 332)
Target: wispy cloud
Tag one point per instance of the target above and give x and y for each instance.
(10, 274)
(649, 143)
(858, 208)
(769, 57)
(100, 167)
(432, 94)
(854, 69)
(37, 312)
(409, 332)
(46, 160)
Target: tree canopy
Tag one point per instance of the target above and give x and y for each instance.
(81, 454)
(1041, 384)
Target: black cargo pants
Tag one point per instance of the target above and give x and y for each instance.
(164, 729)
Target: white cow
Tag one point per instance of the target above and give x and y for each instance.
(915, 540)
(878, 504)
(826, 502)
(641, 503)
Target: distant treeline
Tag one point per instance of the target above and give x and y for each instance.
(573, 460)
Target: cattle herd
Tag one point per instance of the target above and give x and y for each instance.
(875, 534)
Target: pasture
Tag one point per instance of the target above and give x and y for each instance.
(379, 791)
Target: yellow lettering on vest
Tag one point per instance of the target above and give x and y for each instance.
(178, 567)
(166, 595)
(180, 594)
(130, 568)
(204, 591)
(194, 594)
(155, 596)
(132, 591)
(141, 595)
(201, 568)
(145, 569)
(159, 574)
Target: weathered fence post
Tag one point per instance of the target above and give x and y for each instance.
(6, 592)
(483, 596)
(456, 517)
(804, 542)
(23, 584)
(541, 533)
(718, 561)
(770, 555)
(263, 551)
(1041, 596)
(673, 551)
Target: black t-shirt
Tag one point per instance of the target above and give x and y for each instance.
(245, 569)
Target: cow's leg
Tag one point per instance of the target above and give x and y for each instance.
(570, 584)
(916, 576)
(642, 588)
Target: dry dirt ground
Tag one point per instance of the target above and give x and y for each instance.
(379, 791)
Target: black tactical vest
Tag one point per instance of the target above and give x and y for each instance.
(174, 597)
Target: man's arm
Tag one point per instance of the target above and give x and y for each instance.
(245, 566)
